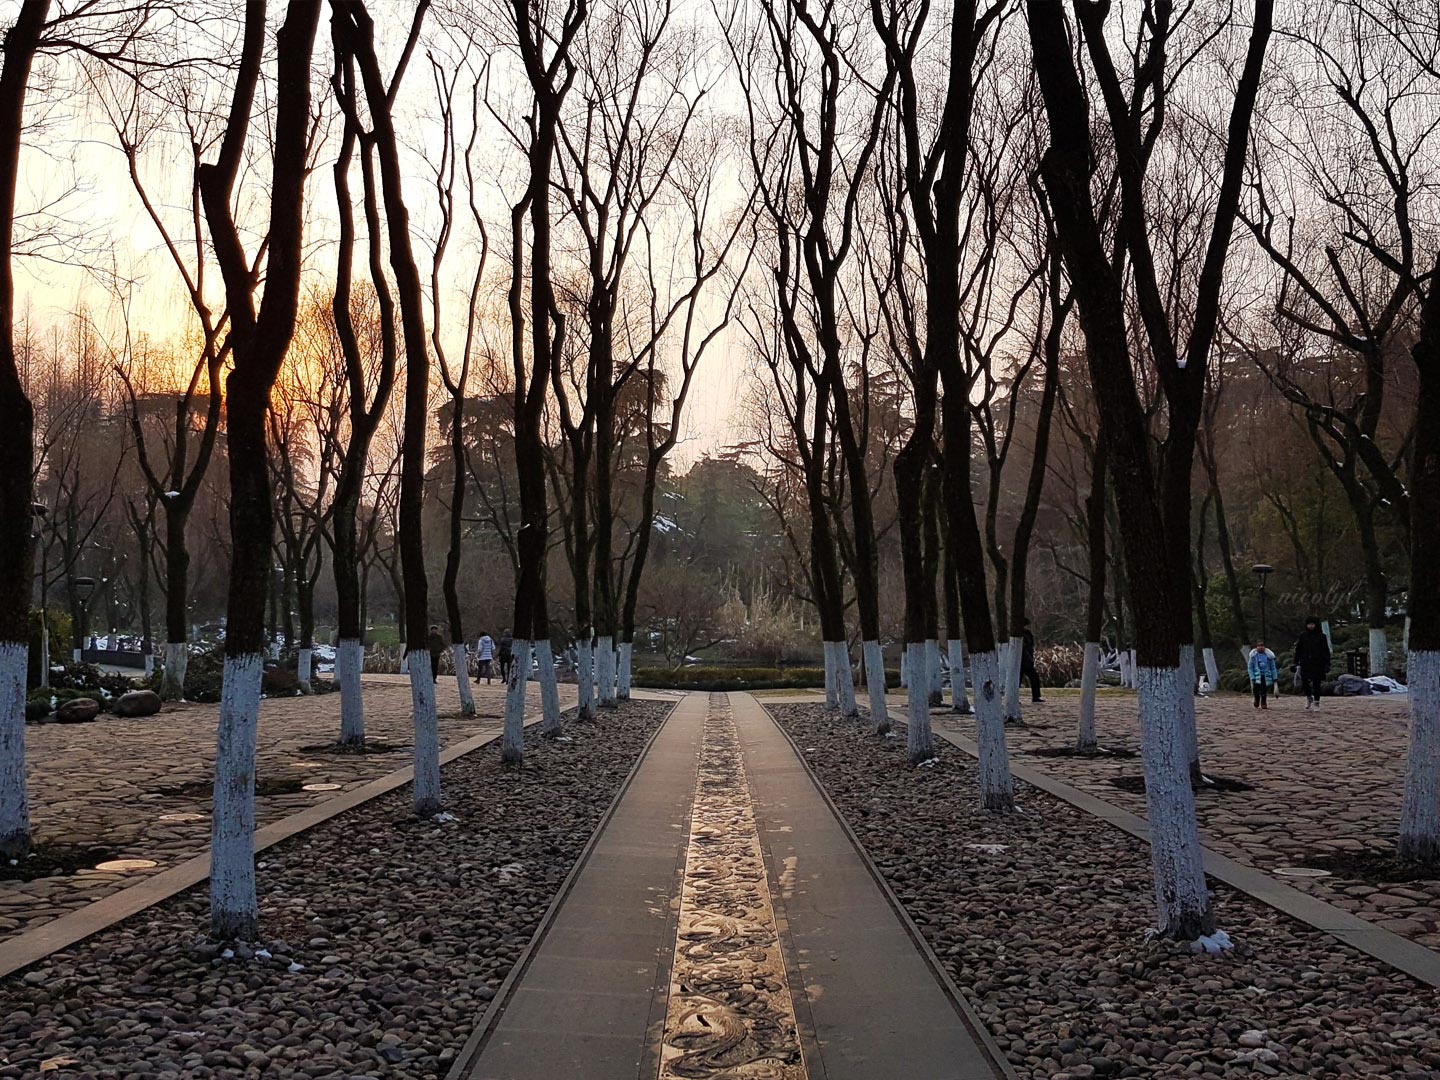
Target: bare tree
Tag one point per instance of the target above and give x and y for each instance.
(1154, 498)
(1345, 246)
(545, 53)
(353, 33)
(456, 379)
(258, 342)
(933, 165)
(22, 41)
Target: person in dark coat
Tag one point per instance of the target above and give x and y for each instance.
(436, 642)
(506, 655)
(1312, 661)
(1027, 663)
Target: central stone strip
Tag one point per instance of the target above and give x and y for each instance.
(730, 1013)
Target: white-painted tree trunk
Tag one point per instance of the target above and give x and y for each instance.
(605, 670)
(1189, 733)
(1379, 653)
(919, 739)
(959, 699)
(349, 662)
(149, 670)
(460, 656)
(405, 663)
(585, 679)
(905, 668)
(45, 654)
(1420, 815)
(549, 691)
(234, 914)
(75, 655)
(172, 679)
(845, 681)
(997, 787)
(1014, 660)
(1134, 671)
(1212, 669)
(427, 735)
(304, 664)
(832, 687)
(934, 672)
(622, 678)
(1182, 902)
(512, 739)
(14, 803)
(1089, 682)
(875, 687)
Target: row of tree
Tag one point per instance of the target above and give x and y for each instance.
(932, 229)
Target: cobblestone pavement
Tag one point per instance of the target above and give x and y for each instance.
(1323, 783)
(116, 785)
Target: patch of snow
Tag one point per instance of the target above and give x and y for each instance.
(295, 968)
(1218, 942)
(927, 763)
(1383, 684)
(989, 849)
(509, 870)
(228, 954)
(262, 954)
(444, 816)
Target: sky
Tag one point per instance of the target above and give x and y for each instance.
(112, 262)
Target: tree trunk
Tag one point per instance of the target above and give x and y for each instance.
(17, 421)
(512, 739)
(997, 791)
(177, 595)
(1095, 599)
(1420, 813)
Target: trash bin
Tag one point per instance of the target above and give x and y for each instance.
(1355, 663)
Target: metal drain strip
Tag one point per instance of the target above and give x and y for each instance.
(729, 1014)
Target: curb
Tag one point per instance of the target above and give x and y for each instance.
(968, 1016)
(470, 1053)
(32, 946)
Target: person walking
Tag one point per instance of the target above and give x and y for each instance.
(1312, 661)
(436, 644)
(1261, 667)
(485, 657)
(1027, 662)
(506, 655)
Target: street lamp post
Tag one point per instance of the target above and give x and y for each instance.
(84, 587)
(1263, 572)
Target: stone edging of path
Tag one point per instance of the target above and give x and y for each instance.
(978, 1028)
(32, 946)
(1400, 953)
(470, 1053)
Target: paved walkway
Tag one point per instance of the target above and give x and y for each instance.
(724, 924)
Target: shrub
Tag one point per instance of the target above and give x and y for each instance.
(37, 707)
(89, 681)
(1059, 665)
(722, 679)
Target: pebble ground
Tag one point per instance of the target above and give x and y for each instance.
(382, 937)
(1040, 917)
(113, 785)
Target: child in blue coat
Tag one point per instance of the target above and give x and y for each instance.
(1263, 673)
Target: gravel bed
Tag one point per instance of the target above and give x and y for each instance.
(1047, 936)
(383, 937)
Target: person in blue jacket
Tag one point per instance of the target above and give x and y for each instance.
(1262, 673)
